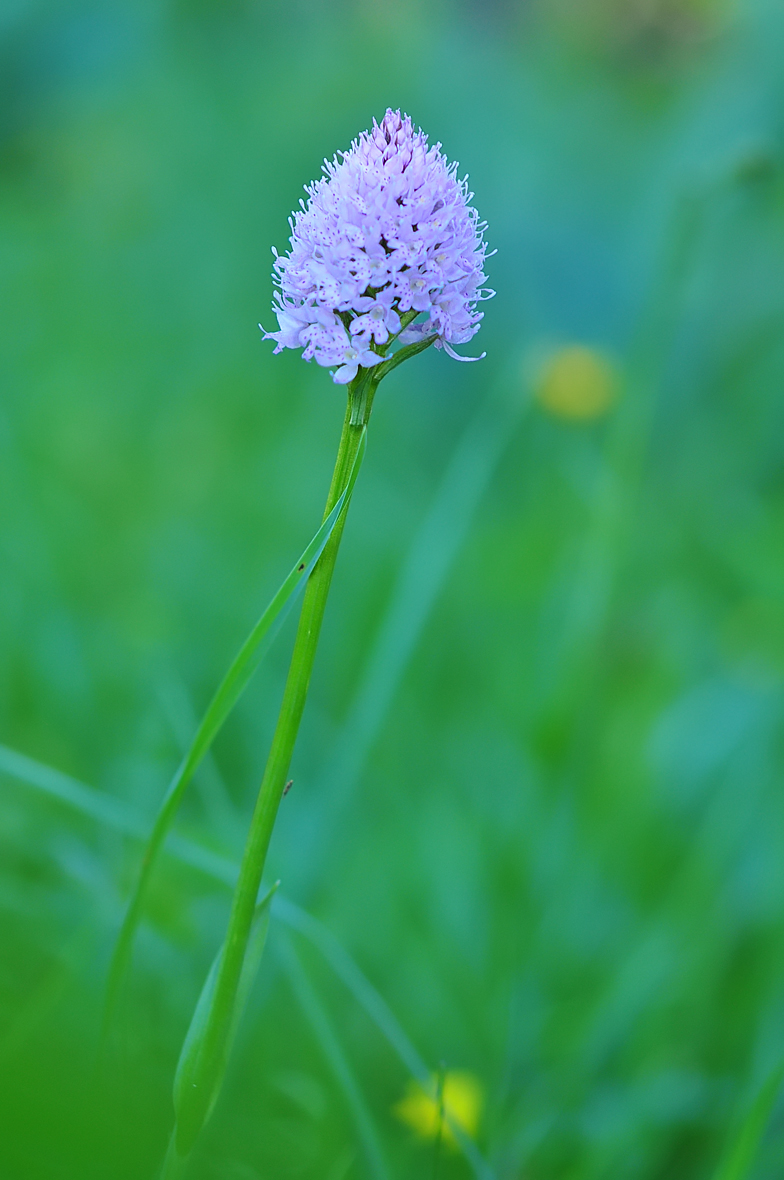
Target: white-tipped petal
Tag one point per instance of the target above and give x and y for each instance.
(456, 355)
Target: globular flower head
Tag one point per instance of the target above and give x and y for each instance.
(387, 232)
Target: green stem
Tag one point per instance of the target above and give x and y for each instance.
(360, 401)
(440, 1116)
(174, 1165)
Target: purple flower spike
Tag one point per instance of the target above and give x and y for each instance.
(387, 231)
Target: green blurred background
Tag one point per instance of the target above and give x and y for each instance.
(538, 787)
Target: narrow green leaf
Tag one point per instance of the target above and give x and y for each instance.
(420, 581)
(378, 1010)
(336, 1058)
(355, 981)
(440, 1078)
(187, 1075)
(742, 1152)
(96, 805)
(174, 1165)
(112, 813)
(403, 354)
(89, 802)
(227, 695)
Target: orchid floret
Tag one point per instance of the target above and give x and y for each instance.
(387, 232)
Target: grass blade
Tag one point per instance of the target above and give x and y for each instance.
(432, 553)
(742, 1152)
(96, 805)
(215, 803)
(333, 1051)
(379, 1012)
(187, 1074)
(356, 982)
(111, 813)
(224, 700)
(89, 802)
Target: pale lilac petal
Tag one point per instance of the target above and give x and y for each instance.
(369, 359)
(387, 229)
(456, 356)
(416, 332)
(344, 374)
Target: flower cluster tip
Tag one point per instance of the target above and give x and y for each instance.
(387, 248)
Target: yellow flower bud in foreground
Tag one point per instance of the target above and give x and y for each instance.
(461, 1096)
(577, 383)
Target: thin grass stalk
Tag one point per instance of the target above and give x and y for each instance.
(440, 1119)
(90, 803)
(228, 693)
(423, 574)
(336, 1058)
(192, 1115)
(174, 1164)
(740, 1157)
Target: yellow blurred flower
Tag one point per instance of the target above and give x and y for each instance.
(577, 382)
(461, 1097)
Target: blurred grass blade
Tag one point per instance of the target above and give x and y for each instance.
(356, 982)
(739, 1159)
(174, 1165)
(333, 1051)
(89, 802)
(378, 1010)
(111, 813)
(421, 579)
(227, 695)
(440, 1118)
(94, 804)
(188, 1066)
(215, 802)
